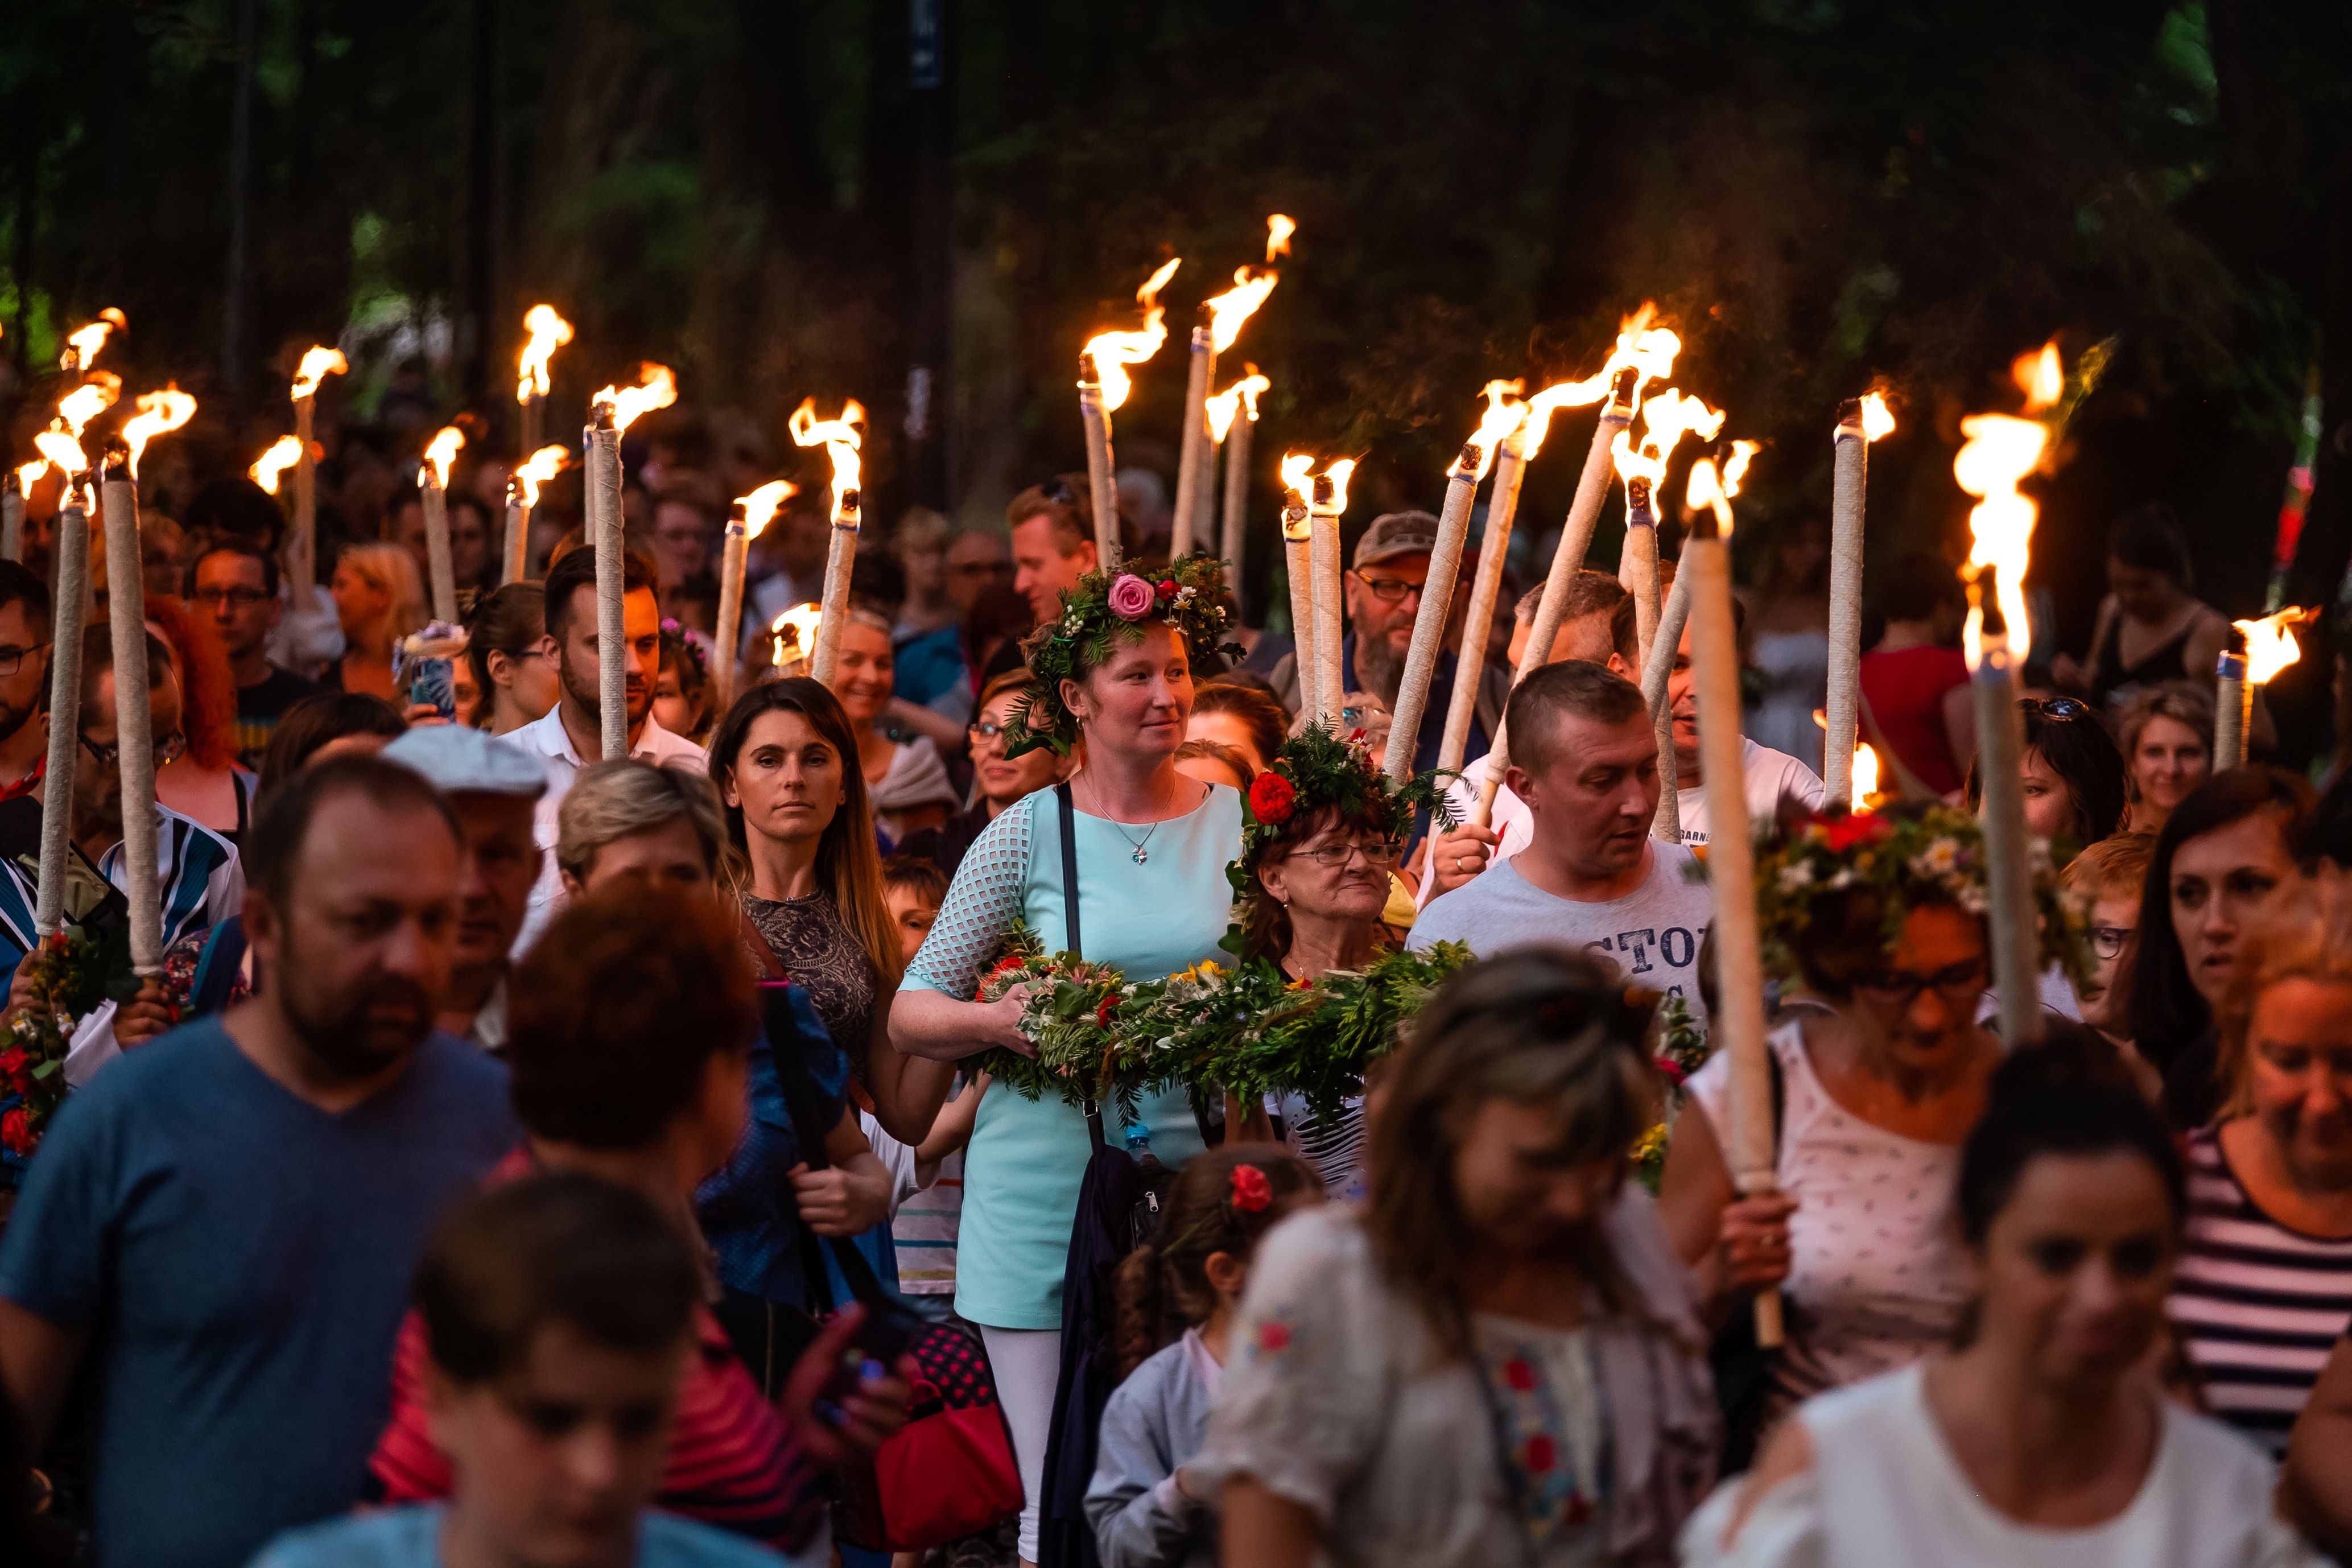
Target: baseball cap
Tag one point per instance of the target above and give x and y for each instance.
(1395, 533)
(458, 760)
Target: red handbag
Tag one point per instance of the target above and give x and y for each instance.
(949, 1472)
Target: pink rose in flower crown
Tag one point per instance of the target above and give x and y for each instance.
(1132, 597)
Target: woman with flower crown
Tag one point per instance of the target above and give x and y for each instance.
(1147, 849)
(1880, 920)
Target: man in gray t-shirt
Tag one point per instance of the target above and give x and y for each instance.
(1584, 760)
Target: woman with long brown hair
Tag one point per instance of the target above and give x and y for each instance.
(1498, 1359)
(195, 725)
(786, 764)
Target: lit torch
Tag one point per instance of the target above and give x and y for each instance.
(1313, 528)
(1666, 418)
(1505, 414)
(83, 342)
(70, 612)
(433, 490)
(548, 333)
(317, 363)
(841, 442)
(1195, 462)
(2000, 452)
(794, 635)
(126, 603)
(269, 470)
(16, 485)
(610, 413)
(745, 520)
(1860, 421)
(522, 499)
(1643, 353)
(1103, 385)
(2270, 647)
(1233, 443)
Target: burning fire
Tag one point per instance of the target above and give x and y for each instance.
(795, 629)
(1865, 767)
(160, 413)
(83, 343)
(29, 474)
(317, 363)
(2000, 452)
(1504, 412)
(656, 388)
(2270, 644)
(1278, 230)
(761, 504)
(1111, 352)
(1713, 489)
(1877, 419)
(1224, 405)
(548, 333)
(269, 468)
(2039, 376)
(84, 402)
(1236, 305)
(543, 466)
(1665, 420)
(442, 451)
(1649, 350)
(63, 452)
(841, 441)
(1301, 482)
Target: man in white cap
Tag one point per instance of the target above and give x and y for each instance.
(494, 789)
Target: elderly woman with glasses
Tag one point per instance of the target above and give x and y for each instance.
(1878, 920)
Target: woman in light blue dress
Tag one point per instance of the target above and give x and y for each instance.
(1115, 672)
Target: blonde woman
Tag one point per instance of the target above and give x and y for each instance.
(2166, 732)
(379, 598)
(907, 780)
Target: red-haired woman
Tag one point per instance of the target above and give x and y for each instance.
(195, 725)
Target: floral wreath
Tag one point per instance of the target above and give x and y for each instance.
(1933, 855)
(1102, 607)
(1315, 769)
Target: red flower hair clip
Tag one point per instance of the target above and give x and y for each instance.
(1252, 1191)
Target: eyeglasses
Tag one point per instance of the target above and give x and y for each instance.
(2107, 941)
(1900, 988)
(986, 730)
(1387, 590)
(12, 659)
(1059, 493)
(233, 598)
(2062, 709)
(1379, 854)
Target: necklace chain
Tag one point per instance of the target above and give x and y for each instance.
(1139, 856)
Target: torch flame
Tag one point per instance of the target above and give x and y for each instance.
(1865, 775)
(1111, 352)
(2039, 375)
(2000, 452)
(795, 629)
(63, 452)
(1278, 230)
(1665, 420)
(548, 333)
(442, 451)
(1877, 419)
(1236, 305)
(160, 413)
(84, 402)
(269, 468)
(2270, 643)
(841, 441)
(1649, 350)
(1504, 412)
(543, 466)
(761, 504)
(83, 342)
(1224, 405)
(1713, 487)
(656, 388)
(1298, 478)
(317, 363)
(29, 474)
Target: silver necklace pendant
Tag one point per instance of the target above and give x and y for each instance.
(1139, 858)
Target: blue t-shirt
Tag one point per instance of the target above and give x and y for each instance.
(411, 1538)
(241, 1259)
(928, 665)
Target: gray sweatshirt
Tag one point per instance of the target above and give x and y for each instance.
(1155, 1421)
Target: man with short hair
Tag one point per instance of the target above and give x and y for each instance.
(1054, 545)
(24, 678)
(1383, 598)
(226, 1221)
(682, 534)
(1585, 761)
(977, 560)
(234, 584)
(494, 791)
(570, 734)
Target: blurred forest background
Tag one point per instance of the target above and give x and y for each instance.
(871, 198)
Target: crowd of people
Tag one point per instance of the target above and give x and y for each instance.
(528, 1156)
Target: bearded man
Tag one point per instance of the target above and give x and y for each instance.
(226, 1219)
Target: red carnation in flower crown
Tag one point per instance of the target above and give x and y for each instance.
(1252, 1191)
(1843, 833)
(1270, 797)
(1168, 587)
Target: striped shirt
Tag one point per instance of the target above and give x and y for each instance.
(198, 883)
(2256, 1307)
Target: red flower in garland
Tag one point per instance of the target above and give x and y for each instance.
(1843, 833)
(1252, 1191)
(17, 1133)
(1272, 798)
(1103, 1013)
(1168, 587)
(1672, 1069)
(16, 1069)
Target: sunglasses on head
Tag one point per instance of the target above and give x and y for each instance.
(1059, 493)
(2059, 708)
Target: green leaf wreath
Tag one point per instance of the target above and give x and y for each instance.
(67, 981)
(1070, 1015)
(1318, 1041)
(1314, 771)
(1189, 1024)
(1104, 608)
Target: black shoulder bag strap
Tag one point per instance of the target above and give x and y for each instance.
(1068, 815)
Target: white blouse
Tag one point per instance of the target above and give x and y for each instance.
(1884, 1487)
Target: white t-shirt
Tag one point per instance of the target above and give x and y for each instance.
(1884, 1487)
(1652, 934)
(1770, 774)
